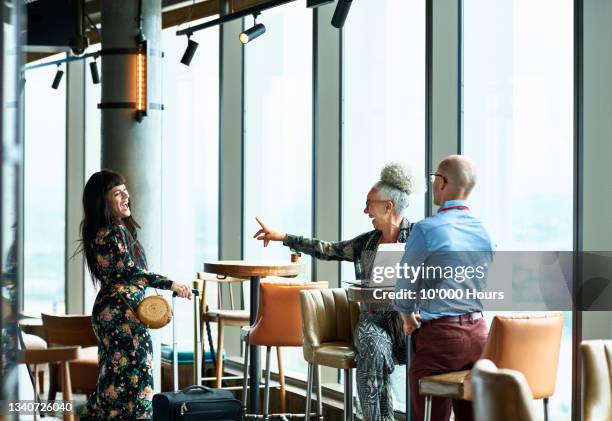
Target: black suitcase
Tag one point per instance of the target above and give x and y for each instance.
(195, 402)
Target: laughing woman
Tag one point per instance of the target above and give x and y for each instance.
(118, 265)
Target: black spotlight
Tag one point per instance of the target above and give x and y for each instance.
(342, 10)
(192, 46)
(95, 76)
(58, 78)
(252, 33)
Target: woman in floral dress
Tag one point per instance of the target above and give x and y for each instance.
(118, 264)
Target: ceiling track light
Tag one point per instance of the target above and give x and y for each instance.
(58, 77)
(253, 32)
(93, 68)
(192, 46)
(341, 12)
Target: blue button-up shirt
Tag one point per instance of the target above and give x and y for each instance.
(451, 238)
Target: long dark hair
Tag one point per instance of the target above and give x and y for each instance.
(97, 215)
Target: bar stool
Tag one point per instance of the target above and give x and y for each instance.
(70, 330)
(529, 344)
(328, 324)
(61, 355)
(500, 394)
(597, 369)
(32, 342)
(223, 317)
(278, 323)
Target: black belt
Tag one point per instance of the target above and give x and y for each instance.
(468, 317)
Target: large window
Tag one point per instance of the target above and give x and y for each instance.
(518, 117)
(190, 164)
(93, 149)
(384, 113)
(44, 190)
(278, 137)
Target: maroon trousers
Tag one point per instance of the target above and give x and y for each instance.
(441, 347)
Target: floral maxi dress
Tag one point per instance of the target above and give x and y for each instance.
(125, 379)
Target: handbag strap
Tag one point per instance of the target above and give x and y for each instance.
(128, 304)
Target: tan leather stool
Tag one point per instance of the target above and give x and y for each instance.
(529, 344)
(597, 369)
(328, 325)
(278, 323)
(500, 394)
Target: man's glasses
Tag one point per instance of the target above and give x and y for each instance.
(433, 175)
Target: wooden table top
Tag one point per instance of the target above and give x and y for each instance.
(367, 294)
(254, 268)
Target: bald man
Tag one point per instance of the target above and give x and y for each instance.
(443, 315)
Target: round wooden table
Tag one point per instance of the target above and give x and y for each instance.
(254, 270)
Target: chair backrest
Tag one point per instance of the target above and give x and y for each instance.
(69, 330)
(529, 343)
(597, 369)
(500, 394)
(279, 317)
(327, 316)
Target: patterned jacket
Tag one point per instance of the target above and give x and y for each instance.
(360, 250)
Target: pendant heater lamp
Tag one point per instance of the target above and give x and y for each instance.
(141, 81)
(341, 12)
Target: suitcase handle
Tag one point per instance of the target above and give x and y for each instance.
(194, 387)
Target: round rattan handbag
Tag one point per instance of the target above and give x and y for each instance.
(154, 311)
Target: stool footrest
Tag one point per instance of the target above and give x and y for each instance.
(285, 416)
(261, 386)
(208, 379)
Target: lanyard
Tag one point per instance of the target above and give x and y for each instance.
(454, 207)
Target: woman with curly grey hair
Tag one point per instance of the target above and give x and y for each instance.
(378, 336)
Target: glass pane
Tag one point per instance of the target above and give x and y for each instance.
(44, 190)
(518, 122)
(93, 148)
(190, 165)
(278, 138)
(10, 171)
(384, 114)
(93, 118)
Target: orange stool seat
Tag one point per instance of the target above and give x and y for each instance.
(278, 323)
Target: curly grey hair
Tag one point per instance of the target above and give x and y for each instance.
(396, 184)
